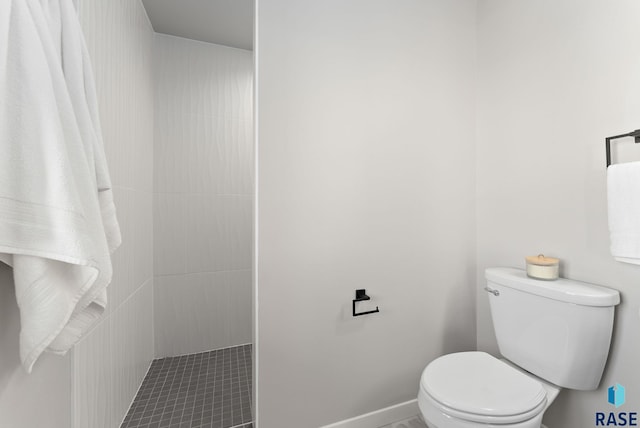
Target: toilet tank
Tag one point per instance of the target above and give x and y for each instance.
(558, 330)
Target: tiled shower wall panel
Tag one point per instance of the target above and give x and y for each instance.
(203, 175)
(111, 361)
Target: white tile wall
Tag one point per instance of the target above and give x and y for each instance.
(202, 232)
(215, 147)
(94, 379)
(132, 347)
(202, 311)
(170, 245)
(218, 232)
(203, 178)
(123, 259)
(239, 306)
(142, 237)
(204, 79)
(110, 362)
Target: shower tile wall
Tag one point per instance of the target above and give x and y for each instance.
(203, 181)
(111, 361)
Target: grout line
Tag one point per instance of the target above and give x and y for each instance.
(136, 394)
(201, 272)
(150, 26)
(106, 316)
(133, 293)
(203, 352)
(242, 425)
(187, 193)
(201, 42)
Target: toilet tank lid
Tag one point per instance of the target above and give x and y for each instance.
(562, 289)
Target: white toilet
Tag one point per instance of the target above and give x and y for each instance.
(552, 334)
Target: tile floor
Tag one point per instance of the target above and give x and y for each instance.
(206, 390)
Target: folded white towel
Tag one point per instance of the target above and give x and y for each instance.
(57, 218)
(623, 193)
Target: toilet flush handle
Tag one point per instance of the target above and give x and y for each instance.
(494, 292)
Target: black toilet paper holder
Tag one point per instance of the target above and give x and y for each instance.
(361, 295)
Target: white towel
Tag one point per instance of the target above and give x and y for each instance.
(57, 218)
(623, 193)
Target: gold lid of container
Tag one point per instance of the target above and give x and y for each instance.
(541, 260)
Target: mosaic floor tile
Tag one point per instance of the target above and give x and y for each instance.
(205, 390)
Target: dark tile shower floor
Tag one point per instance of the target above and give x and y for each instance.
(206, 390)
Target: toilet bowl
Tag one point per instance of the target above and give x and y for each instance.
(475, 389)
(550, 335)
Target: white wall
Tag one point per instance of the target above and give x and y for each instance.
(110, 362)
(555, 79)
(366, 180)
(203, 195)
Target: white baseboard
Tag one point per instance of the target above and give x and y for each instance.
(380, 417)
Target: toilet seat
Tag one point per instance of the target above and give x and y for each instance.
(477, 387)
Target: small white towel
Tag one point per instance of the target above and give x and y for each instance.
(623, 193)
(57, 218)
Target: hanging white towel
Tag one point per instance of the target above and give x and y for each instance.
(623, 193)
(58, 223)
